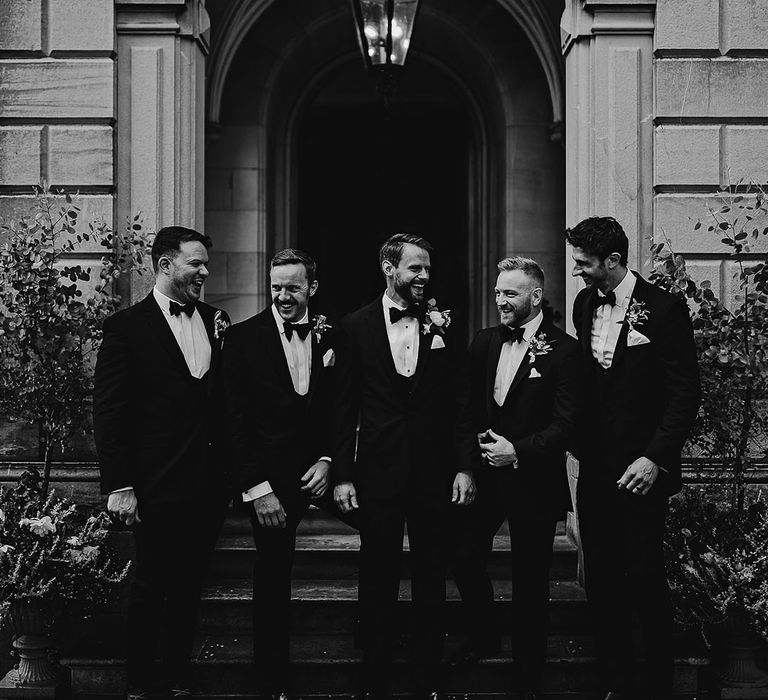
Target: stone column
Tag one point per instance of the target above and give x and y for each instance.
(608, 49)
(161, 50)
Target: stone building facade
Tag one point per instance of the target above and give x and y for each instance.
(196, 113)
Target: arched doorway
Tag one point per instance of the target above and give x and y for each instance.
(304, 155)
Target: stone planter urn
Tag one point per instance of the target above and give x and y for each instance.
(737, 647)
(35, 676)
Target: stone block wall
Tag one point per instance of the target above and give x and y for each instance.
(57, 85)
(711, 122)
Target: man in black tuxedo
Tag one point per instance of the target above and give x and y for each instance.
(278, 367)
(161, 443)
(526, 389)
(402, 375)
(641, 370)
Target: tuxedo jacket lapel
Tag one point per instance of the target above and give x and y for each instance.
(638, 294)
(524, 369)
(380, 338)
(425, 348)
(494, 352)
(316, 366)
(273, 346)
(162, 331)
(586, 323)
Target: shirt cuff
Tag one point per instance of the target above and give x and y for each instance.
(257, 491)
(325, 459)
(125, 488)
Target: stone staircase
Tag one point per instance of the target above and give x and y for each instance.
(325, 661)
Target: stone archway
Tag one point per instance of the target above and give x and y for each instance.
(257, 94)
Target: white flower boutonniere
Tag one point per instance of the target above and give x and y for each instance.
(636, 314)
(220, 324)
(319, 326)
(435, 321)
(538, 346)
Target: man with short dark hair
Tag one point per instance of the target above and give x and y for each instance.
(157, 410)
(641, 374)
(526, 392)
(278, 366)
(402, 378)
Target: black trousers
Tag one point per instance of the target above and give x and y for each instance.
(530, 544)
(622, 537)
(382, 524)
(275, 554)
(173, 548)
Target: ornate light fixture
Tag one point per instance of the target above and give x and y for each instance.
(384, 29)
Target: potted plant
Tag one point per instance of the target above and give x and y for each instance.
(717, 542)
(54, 560)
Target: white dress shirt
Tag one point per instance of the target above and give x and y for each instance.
(511, 357)
(190, 334)
(298, 355)
(607, 321)
(403, 339)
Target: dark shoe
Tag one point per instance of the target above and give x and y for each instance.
(470, 654)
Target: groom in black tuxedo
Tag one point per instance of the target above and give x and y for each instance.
(526, 391)
(160, 437)
(278, 366)
(402, 379)
(642, 373)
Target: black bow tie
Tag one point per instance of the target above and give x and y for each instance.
(599, 300)
(175, 309)
(302, 330)
(395, 314)
(514, 335)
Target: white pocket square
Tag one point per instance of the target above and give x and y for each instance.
(437, 342)
(329, 359)
(534, 373)
(636, 338)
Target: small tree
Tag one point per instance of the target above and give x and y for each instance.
(732, 342)
(50, 321)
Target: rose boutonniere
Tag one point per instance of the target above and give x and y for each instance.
(435, 321)
(319, 326)
(636, 314)
(220, 324)
(538, 346)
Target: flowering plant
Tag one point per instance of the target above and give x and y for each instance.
(435, 321)
(538, 346)
(320, 326)
(52, 553)
(636, 314)
(717, 559)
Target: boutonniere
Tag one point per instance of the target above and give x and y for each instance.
(636, 314)
(220, 324)
(319, 326)
(538, 346)
(435, 321)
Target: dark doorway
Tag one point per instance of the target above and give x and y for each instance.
(364, 175)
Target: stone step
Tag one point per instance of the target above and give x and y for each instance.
(335, 556)
(328, 664)
(330, 606)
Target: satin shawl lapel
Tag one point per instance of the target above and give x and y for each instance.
(316, 365)
(524, 370)
(638, 294)
(380, 339)
(273, 346)
(587, 316)
(425, 349)
(162, 331)
(494, 352)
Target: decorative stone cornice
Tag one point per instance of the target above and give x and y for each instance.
(187, 18)
(584, 19)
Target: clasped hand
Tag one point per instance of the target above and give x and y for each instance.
(496, 450)
(639, 476)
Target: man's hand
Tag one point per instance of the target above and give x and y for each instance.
(345, 496)
(124, 506)
(269, 511)
(639, 477)
(497, 450)
(463, 489)
(316, 479)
